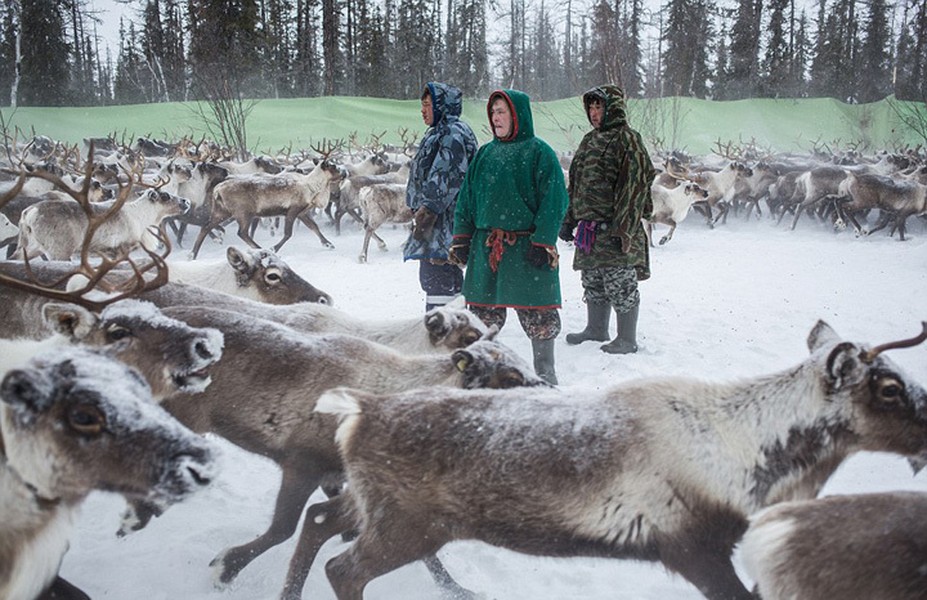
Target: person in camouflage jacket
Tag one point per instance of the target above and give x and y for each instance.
(609, 188)
(435, 176)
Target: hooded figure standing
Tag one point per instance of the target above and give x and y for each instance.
(509, 211)
(610, 179)
(435, 176)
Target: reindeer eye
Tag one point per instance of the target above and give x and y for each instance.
(469, 338)
(86, 419)
(509, 378)
(273, 277)
(117, 332)
(890, 389)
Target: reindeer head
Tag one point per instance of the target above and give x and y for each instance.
(453, 327)
(887, 410)
(271, 278)
(76, 420)
(694, 189)
(489, 364)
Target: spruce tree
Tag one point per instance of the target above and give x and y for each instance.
(44, 71)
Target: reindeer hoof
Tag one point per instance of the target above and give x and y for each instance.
(664, 240)
(222, 577)
(329, 245)
(382, 246)
(362, 259)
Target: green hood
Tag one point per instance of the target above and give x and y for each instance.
(520, 105)
(616, 110)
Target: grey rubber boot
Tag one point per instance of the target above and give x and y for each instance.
(543, 351)
(626, 340)
(597, 317)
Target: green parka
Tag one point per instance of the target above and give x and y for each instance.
(514, 193)
(610, 178)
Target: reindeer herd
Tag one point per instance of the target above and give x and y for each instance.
(419, 431)
(835, 188)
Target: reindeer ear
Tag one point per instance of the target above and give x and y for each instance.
(844, 366)
(69, 320)
(238, 260)
(462, 359)
(821, 335)
(490, 334)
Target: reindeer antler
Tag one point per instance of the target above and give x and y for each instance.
(870, 355)
(130, 287)
(327, 147)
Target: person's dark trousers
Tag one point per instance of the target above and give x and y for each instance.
(441, 283)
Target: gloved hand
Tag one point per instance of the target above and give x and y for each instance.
(538, 255)
(566, 232)
(422, 223)
(459, 253)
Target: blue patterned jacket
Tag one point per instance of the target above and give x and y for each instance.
(437, 171)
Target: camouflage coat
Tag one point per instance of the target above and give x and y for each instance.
(437, 172)
(610, 179)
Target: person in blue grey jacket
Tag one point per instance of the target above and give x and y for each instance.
(435, 176)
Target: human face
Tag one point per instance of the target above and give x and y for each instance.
(501, 118)
(596, 112)
(428, 113)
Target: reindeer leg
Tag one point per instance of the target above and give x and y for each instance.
(669, 235)
(243, 227)
(798, 212)
(323, 521)
(297, 485)
(137, 516)
(204, 231)
(449, 586)
(381, 244)
(61, 589)
(707, 568)
(363, 255)
(396, 543)
(287, 228)
(311, 224)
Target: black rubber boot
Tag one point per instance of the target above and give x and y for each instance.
(626, 340)
(543, 351)
(597, 317)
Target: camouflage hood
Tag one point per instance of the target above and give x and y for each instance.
(616, 110)
(446, 101)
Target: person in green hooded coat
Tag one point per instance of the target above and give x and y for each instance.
(509, 211)
(610, 178)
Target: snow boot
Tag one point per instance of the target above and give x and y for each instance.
(626, 340)
(597, 317)
(543, 351)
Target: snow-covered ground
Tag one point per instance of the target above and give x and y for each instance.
(731, 302)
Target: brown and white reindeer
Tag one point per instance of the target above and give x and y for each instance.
(441, 331)
(722, 188)
(663, 469)
(172, 356)
(813, 188)
(289, 194)
(670, 206)
(73, 421)
(57, 228)
(256, 274)
(854, 547)
(896, 199)
(382, 203)
(264, 390)
(195, 182)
